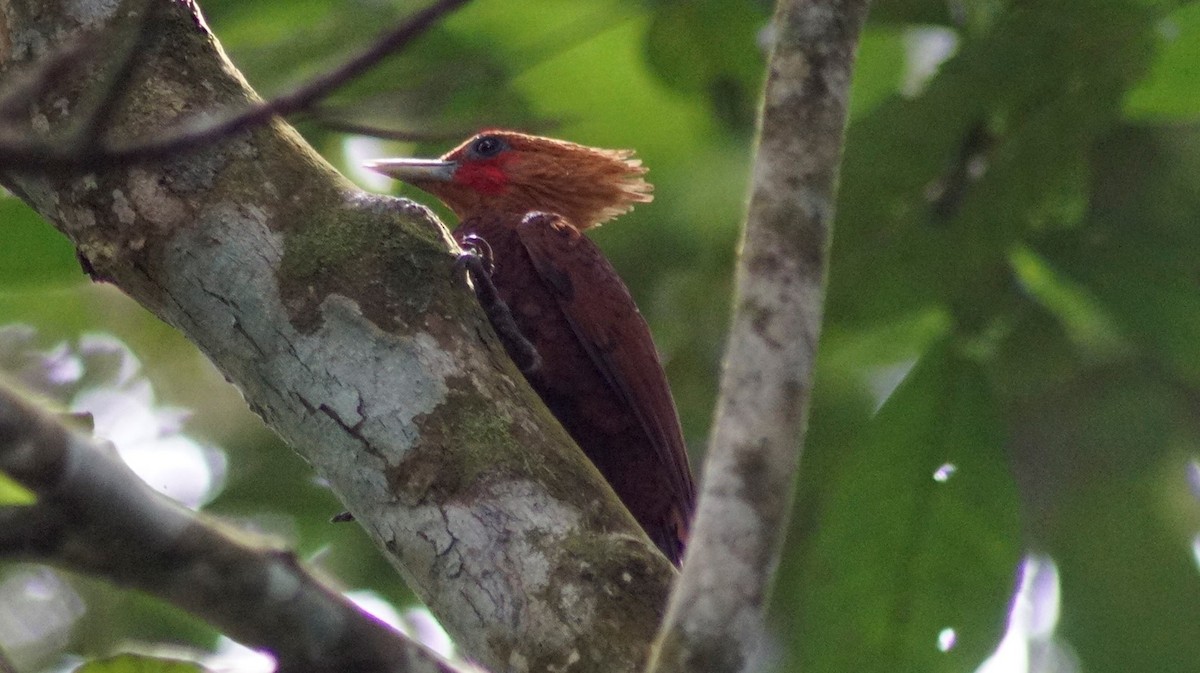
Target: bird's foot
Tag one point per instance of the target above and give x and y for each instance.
(477, 261)
(474, 245)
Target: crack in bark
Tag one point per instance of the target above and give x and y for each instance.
(352, 430)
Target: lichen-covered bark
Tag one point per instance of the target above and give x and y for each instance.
(715, 618)
(336, 314)
(93, 515)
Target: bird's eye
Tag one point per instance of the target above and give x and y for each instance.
(487, 146)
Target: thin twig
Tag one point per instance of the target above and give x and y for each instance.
(340, 125)
(6, 666)
(329, 119)
(95, 114)
(18, 152)
(29, 83)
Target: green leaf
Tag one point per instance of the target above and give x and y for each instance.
(1084, 320)
(918, 533)
(1136, 255)
(32, 253)
(878, 68)
(937, 189)
(1131, 600)
(1171, 91)
(710, 47)
(1161, 309)
(14, 494)
(918, 12)
(1106, 454)
(137, 663)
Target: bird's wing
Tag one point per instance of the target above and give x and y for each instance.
(615, 336)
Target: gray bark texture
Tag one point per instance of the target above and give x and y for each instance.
(94, 515)
(715, 619)
(339, 316)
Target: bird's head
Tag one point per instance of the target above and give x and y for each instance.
(507, 172)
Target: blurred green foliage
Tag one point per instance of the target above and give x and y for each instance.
(1016, 243)
(12, 493)
(130, 663)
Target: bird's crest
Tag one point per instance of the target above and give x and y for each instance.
(523, 173)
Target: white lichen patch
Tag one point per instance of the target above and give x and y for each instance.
(788, 68)
(347, 395)
(572, 658)
(153, 201)
(282, 583)
(499, 546)
(374, 383)
(728, 577)
(383, 361)
(27, 44)
(517, 662)
(576, 603)
(98, 251)
(92, 13)
(121, 208)
(84, 218)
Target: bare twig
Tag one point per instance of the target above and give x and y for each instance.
(98, 111)
(6, 666)
(340, 125)
(19, 152)
(93, 515)
(331, 121)
(714, 620)
(29, 83)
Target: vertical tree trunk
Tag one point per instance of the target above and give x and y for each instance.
(715, 618)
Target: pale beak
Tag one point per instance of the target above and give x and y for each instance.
(414, 171)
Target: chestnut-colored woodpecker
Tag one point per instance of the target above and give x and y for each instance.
(526, 200)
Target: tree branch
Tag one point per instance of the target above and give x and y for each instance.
(31, 83)
(339, 316)
(128, 44)
(85, 149)
(94, 515)
(326, 119)
(714, 621)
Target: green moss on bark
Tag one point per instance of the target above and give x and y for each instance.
(356, 250)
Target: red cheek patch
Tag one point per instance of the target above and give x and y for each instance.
(485, 177)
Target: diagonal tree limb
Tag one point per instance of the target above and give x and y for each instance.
(338, 315)
(95, 516)
(715, 617)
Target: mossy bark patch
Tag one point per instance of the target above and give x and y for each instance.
(387, 264)
(620, 569)
(463, 440)
(471, 437)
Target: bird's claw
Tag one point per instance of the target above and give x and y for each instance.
(478, 263)
(476, 247)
